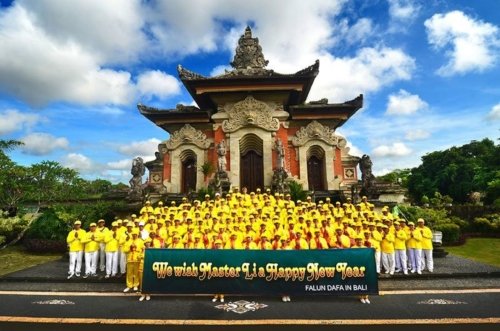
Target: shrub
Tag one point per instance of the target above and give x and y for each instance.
(11, 227)
(451, 232)
(205, 190)
(48, 227)
(297, 191)
(482, 225)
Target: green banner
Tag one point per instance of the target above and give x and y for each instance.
(303, 272)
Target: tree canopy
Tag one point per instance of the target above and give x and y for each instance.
(457, 172)
(43, 182)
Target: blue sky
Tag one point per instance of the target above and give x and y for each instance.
(72, 72)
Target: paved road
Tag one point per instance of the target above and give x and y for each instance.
(439, 310)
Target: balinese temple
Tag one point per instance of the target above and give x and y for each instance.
(260, 122)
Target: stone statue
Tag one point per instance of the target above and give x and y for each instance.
(367, 177)
(138, 170)
(221, 156)
(281, 154)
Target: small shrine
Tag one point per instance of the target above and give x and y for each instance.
(253, 127)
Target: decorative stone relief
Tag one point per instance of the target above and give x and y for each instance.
(250, 112)
(316, 130)
(187, 135)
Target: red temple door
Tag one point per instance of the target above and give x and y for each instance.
(251, 170)
(315, 173)
(188, 175)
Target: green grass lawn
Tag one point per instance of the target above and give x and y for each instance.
(486, 250)
(16, 258)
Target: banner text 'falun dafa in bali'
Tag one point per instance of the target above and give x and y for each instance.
(329, 272)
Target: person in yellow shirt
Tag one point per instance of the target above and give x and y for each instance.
(387, 247)
(111, 242)
(233, 242)
(426, 245)
(264, 243)
(376, 235)
(176, 242)
(147, 244)
(415, 246)
(218, 245)
(75, 245)
(340, 240)
(91, 241)
(103, 230)
(133, 259)
(318, 242)
(400, 238)
(299, 242)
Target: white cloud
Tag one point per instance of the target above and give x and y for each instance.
(13, 120)
(494, 114)
(55, 51)
(124, 164)
(140, 148)
(403, 10)
(39, 143)
(404, 103)
(157, 83)
(78, 162)
(357, 33)
(368, 71)
(111, 30)
(397, 149)
(417, 134)
(39, 68)
(474, 43)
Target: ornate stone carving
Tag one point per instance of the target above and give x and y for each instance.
(187, 74)
(187, 135)
(248, 52)
(316, 130)
(250, 112)
(136, 187)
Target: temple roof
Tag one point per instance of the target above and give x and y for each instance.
(249, 75)
(322, 110)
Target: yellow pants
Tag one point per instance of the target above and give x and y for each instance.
(133, 274)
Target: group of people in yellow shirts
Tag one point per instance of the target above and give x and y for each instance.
(254, 220)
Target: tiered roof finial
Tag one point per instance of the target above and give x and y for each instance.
(249, 53)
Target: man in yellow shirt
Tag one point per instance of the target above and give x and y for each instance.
(103, 230)
(426, 245)
(111, 242)
(415, 246)
(75, 245)
(400, 238)
(91, 241)
(387, 247)
(318, 242)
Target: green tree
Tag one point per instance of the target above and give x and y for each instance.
(13, 178)
(399, 176)
(457, 172)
